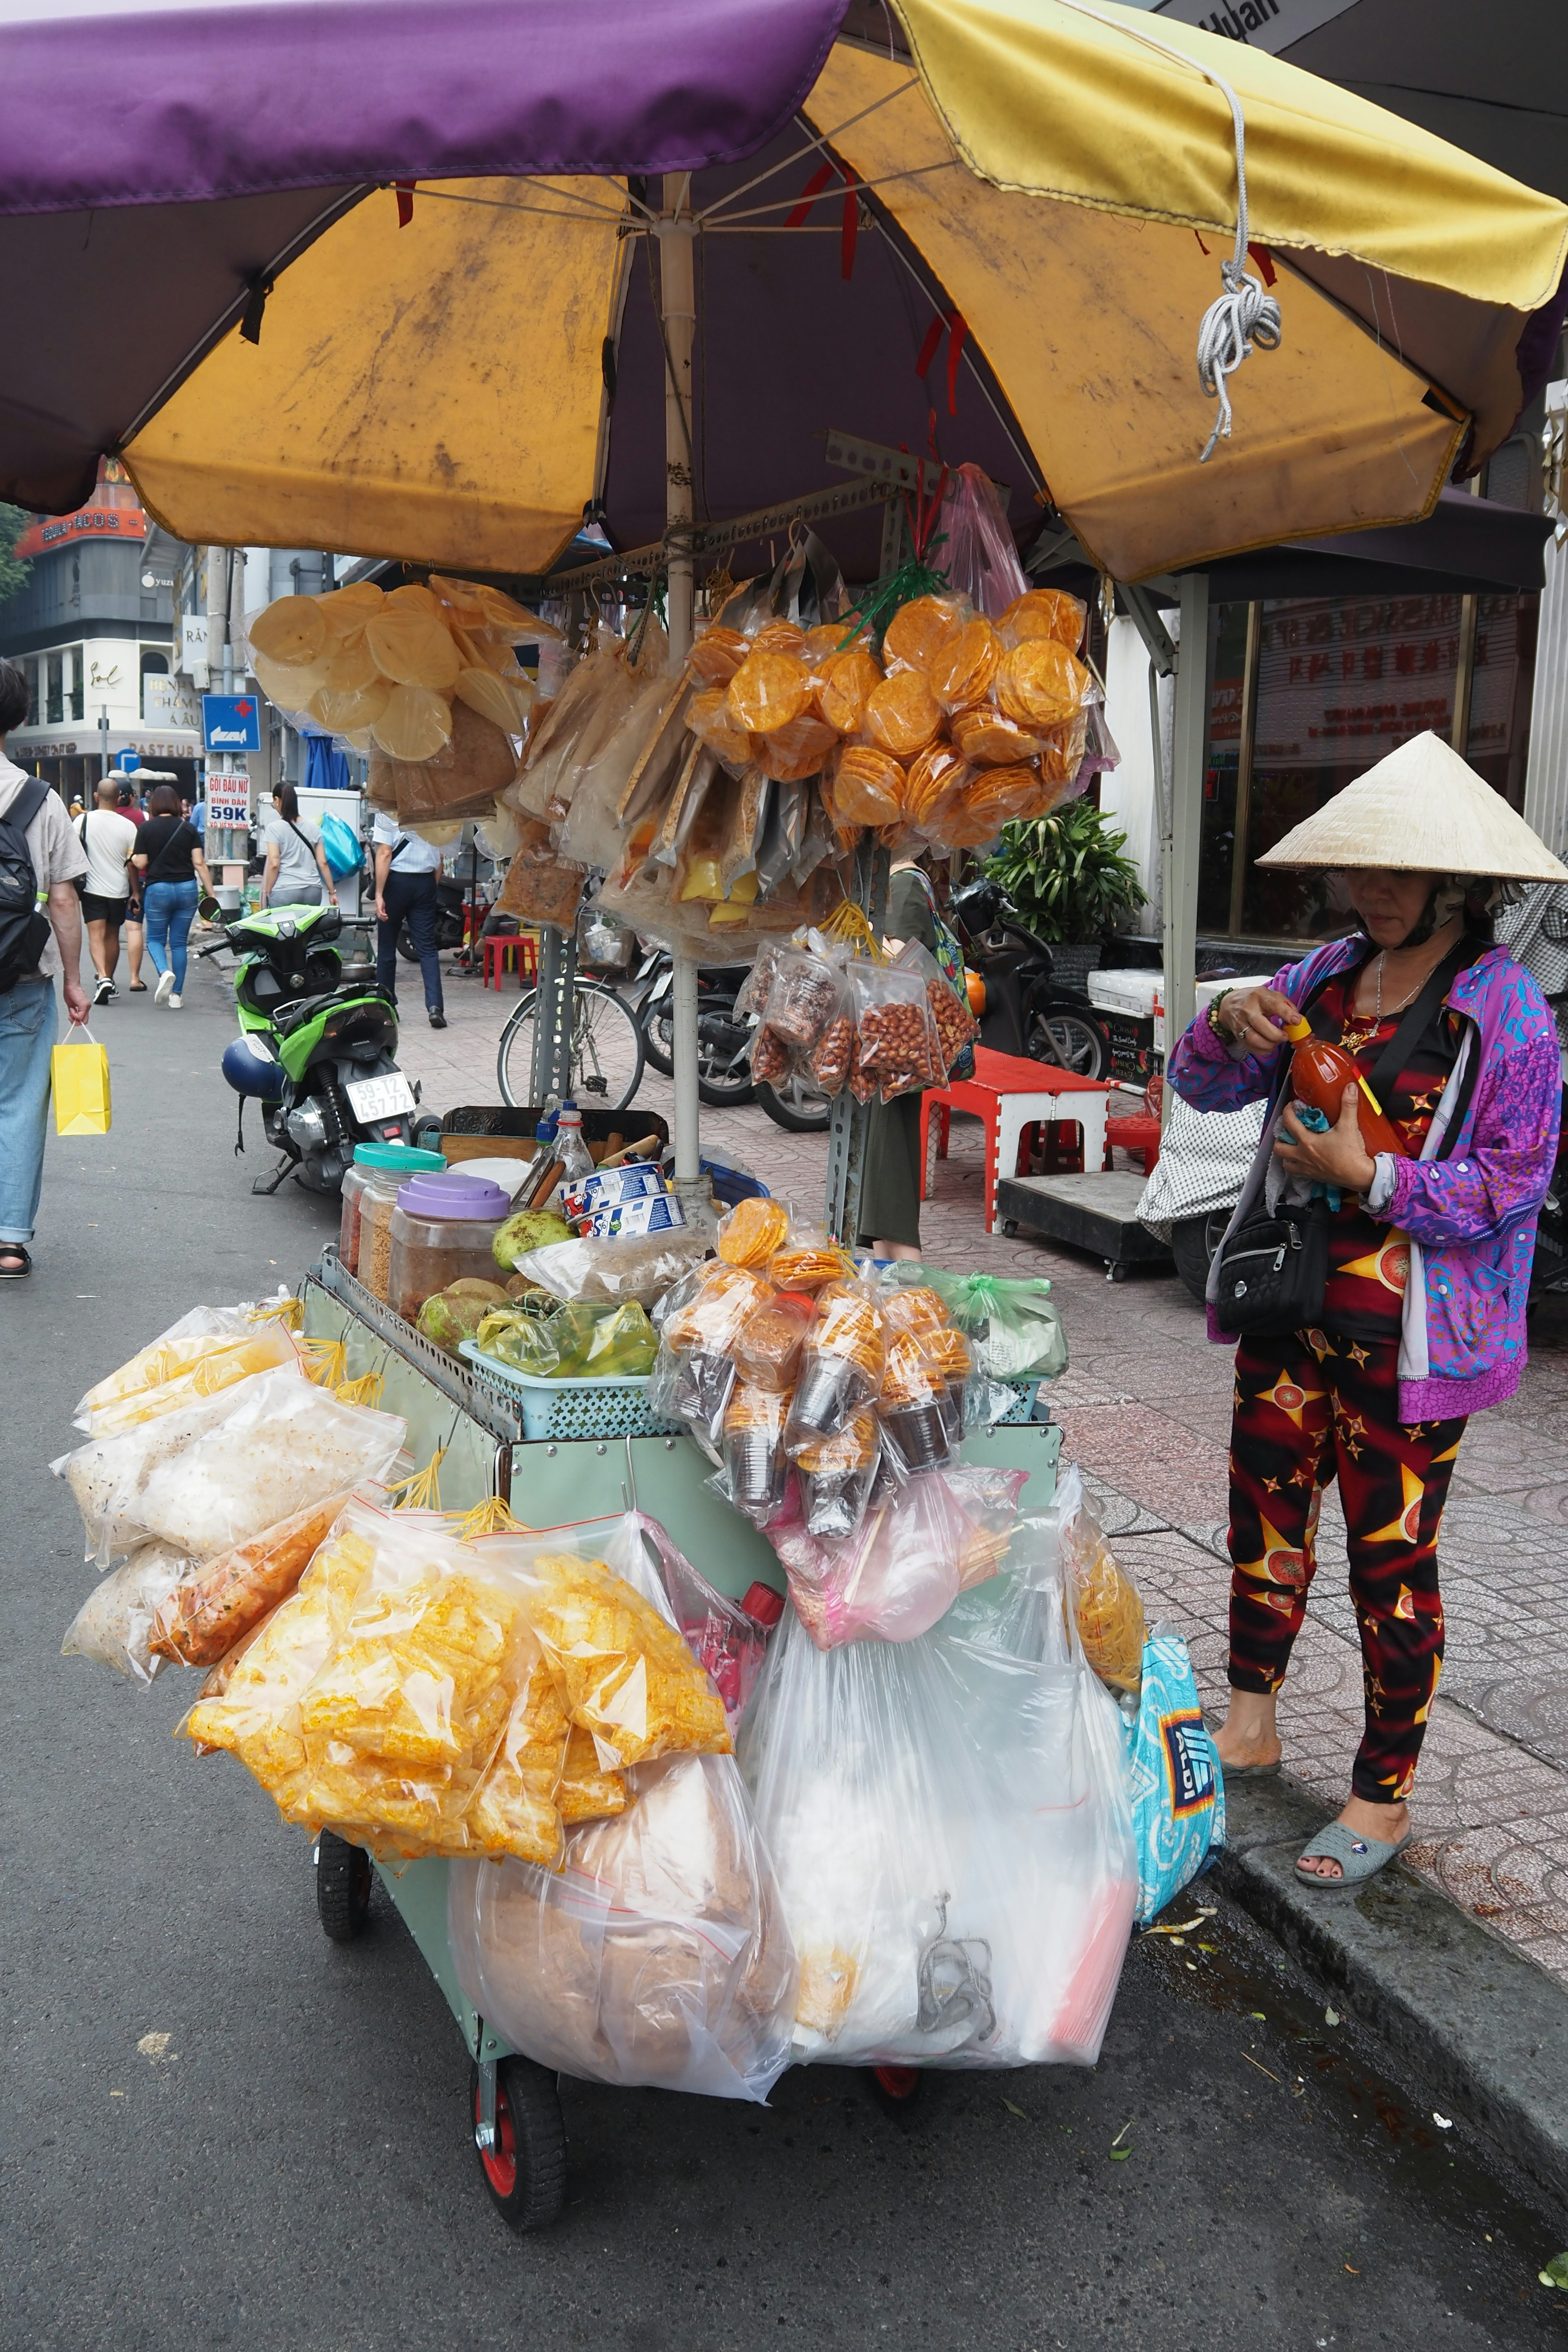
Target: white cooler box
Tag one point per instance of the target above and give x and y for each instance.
(1139, 996)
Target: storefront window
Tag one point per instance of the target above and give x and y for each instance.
(1502, 679)
(74, 686)
(54, 692)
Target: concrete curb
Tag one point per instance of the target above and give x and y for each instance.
(1488, 2028)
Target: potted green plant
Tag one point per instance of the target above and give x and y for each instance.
(1067, 876)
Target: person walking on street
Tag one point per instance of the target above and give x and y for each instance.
(108, 839)
(135, 930)
(1416, 1317)
(406, 872)
(171, 862)
(296, 871)
(35, 945)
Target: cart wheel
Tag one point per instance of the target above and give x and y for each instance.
(896, 2089)
(342, 1887)
(1009, 1227)
(525, 2171)
(1116, 1271)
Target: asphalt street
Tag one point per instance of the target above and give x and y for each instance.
(218, 2129)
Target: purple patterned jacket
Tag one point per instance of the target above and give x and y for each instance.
(1470, 1216)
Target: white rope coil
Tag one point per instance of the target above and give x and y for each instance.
(1245, 317)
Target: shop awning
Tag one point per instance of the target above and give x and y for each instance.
(374, 277)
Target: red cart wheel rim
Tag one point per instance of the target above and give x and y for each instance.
(899, 2082)
(500, 2161)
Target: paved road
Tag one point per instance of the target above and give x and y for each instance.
(291, 2172)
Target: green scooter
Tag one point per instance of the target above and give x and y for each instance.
(317, 1052)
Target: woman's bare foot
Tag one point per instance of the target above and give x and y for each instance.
(1249, 1734)
(1382, 1824)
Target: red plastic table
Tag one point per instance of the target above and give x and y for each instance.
(1010, 1095)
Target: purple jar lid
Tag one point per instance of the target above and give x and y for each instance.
(443, 1199)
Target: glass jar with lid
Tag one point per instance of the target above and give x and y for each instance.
(370, 1189)
(442, 1229)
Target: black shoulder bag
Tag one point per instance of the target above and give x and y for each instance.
(1274, 1270)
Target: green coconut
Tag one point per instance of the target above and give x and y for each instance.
(530, 1229)
(447, 1320)
(474, 1285)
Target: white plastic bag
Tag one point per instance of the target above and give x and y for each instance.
(658, 1954)
(115, 1623)
(950, 1828)
(215, 1473)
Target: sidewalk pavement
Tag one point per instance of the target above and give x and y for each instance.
(1145, 1409)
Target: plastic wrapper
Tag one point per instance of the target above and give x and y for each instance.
(1174, 1778)
(898, 1050)
(513, 1809)
(581, 1340)
(1103, 1597)
(845, 680)
(585, 1791)
(809, 1261)
(729, 1645)
(114, 1625)
(962, 674)
(628, 1678)
(751, 1232)
(767, 1350)
(922, 1542)
(197, 1366)
(978, 552)
(701, 1320)
(901, 715)
(213, 1474)
(985, 738)
(791, 754)
(864, 787)
(658, 1955)
(754, 1464)
(1040, 684)
(807, 994)
(769, 689)
(837, 1475)
(771, 1060)
(640, 1268)
(842, 1366)
(539, 888)
(920, 629)
(1044, 613)
(459, 777)
(1013, 1327)
(213, 1607)
(718, 654)
(201, 1332)
(955, 1023)
(919, 1425)
(950, 1831)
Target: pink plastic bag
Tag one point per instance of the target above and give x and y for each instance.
(979, 558)
(918, 1546)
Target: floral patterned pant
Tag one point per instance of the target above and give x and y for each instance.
(1308, 1409)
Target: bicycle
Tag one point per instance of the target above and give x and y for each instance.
(607, 1057)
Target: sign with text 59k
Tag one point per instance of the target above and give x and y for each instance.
(231, 722)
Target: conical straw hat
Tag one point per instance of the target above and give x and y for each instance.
(1420, 810)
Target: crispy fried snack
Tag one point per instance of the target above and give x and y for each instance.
(718, 655)
(934, 777)
(585, 1792)
(514, 1809)
(178, 1371)
(866, 786)
(918, 1309)
(768, 691)
(257, 1718)
(1040, 684)
(852, 1449)
(779, 637)
(791, 754)
(902, 715)
(710, 720)
(989, 740)
(807, 1268)
(850, 1325)
(962, 670)
(423, 1678)
(628, 1678)
(727, 1296)
(947, 1353)
(920, 629)
(1109, 1611)
(1063, 753)
(768, 1349)
(997, 796)
(1044, 613)
(751, 1232)
(843, 683)
(909, 1377)
(203, 1620)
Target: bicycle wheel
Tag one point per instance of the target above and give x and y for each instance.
(607, 1064)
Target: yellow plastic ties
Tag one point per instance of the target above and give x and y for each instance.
(848, 921)
(421, 1490)
(490, 1517)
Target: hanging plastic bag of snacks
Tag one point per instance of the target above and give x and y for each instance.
(770, 1342)
(755, 1465)
(842, 1366)
(837, 1475)
(1103, 1597)
(896, 1047)
(751, 1232)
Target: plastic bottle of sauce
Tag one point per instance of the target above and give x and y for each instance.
(1319, 1073)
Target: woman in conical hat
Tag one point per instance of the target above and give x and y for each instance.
(1370, 1375)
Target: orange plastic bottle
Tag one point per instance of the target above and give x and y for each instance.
(1319, 1073)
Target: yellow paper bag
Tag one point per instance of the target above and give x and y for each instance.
(78, 1071)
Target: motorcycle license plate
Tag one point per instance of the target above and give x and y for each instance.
(380, 1097)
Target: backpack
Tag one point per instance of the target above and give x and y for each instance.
(24, 929)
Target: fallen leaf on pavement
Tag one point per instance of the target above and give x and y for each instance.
(1011, 2110)
(1330, 2016)
(1556, 2271)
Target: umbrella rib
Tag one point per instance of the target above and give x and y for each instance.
(586, 211)
(817, 144)
(831, 195)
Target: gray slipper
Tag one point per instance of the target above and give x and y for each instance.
(1359, 1858)
(1248, 1771)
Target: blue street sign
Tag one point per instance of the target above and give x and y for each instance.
(128, 763)
(231, 722)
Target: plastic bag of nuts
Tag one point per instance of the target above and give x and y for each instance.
(899, 1050)
(956, 1025)
(806, 995)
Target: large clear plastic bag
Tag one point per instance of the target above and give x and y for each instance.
(1101, 1596)
(658, 1955)
(213, 1336)
(950, 1830)
(214, 1473)
(898, 1570)
(115, 1625)
(640, 1268)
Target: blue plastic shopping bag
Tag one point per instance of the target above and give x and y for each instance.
(342, 850)
(1175, 1781)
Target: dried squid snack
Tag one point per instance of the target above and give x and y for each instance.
(962, 671)
(754, 1464)
(585, 1792)
(920, 629)
(1044, 613)
(718, 654)
(986, 740)
(864, 787)
(1040, 684)
(751, 1232)
(901, 715)
(768, 1349)
(628, 1678)
(837, 1475)
(842, 1368)
(513, 1809)
(844, 682)
(767, 691)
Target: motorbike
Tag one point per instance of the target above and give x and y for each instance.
(724, 1043)
(316, 1049)
(1028, 1012)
